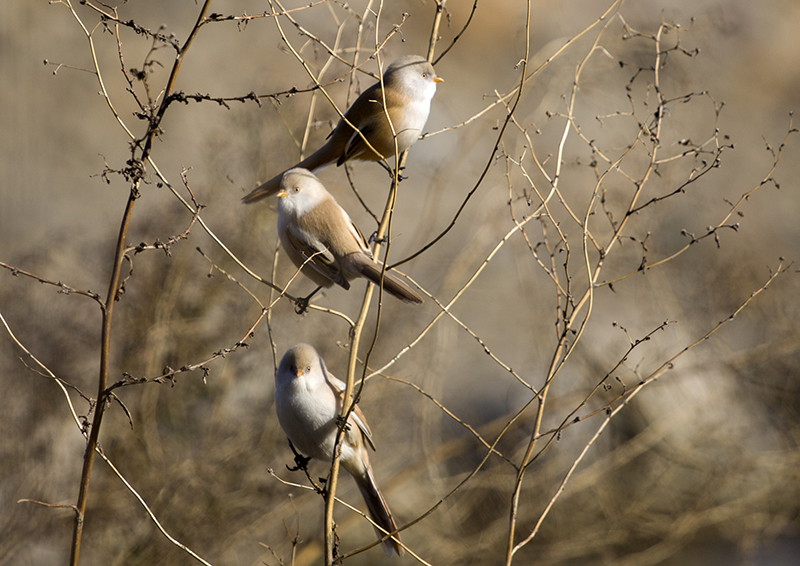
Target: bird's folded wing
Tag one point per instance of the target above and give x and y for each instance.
(355, 145)
(321, 259)
(338, 387)
(362, 241)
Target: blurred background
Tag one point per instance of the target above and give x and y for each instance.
(702, 467)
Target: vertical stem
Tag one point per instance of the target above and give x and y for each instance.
(347, 405)
(528, 452)
(355, 342)
(543, 393)
(437, 20)
(111, 297)
(99, 409)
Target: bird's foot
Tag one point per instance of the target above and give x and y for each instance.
(374, 238)
(301, 462)
(301, 303)
(391, 171)
(342, 423)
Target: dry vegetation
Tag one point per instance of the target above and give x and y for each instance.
(605, 367)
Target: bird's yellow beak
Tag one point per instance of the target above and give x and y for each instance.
(281, 193)
(438, 79)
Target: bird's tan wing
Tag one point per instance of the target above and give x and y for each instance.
(372, 118)
(362, 241)
(338, 388)
(356, 146)
(319, 256)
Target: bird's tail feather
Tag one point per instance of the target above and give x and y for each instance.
(318, 160)
(391, 283)
(379, 511)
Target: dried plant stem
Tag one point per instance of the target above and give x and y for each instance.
(113, 285)
(664, 367)
(562, 350)
(437, 20)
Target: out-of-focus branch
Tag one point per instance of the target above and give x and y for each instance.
(663, 368)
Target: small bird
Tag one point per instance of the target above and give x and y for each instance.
(317, 232)
(308, 400)
(410, 85)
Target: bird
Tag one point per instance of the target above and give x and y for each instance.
(308, 401)
(410, 83)
(319, 237)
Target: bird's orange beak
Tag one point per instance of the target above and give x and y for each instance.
(281, 193)
(438, 79)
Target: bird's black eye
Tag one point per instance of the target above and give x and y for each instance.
(297, 189)
(308, 369)
(424, 75)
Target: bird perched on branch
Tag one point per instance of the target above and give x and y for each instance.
(319, 237)
(308, 400)
(410, 83)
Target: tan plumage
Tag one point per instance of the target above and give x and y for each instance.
(313, 228)
(308, 400)
(410, 85)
